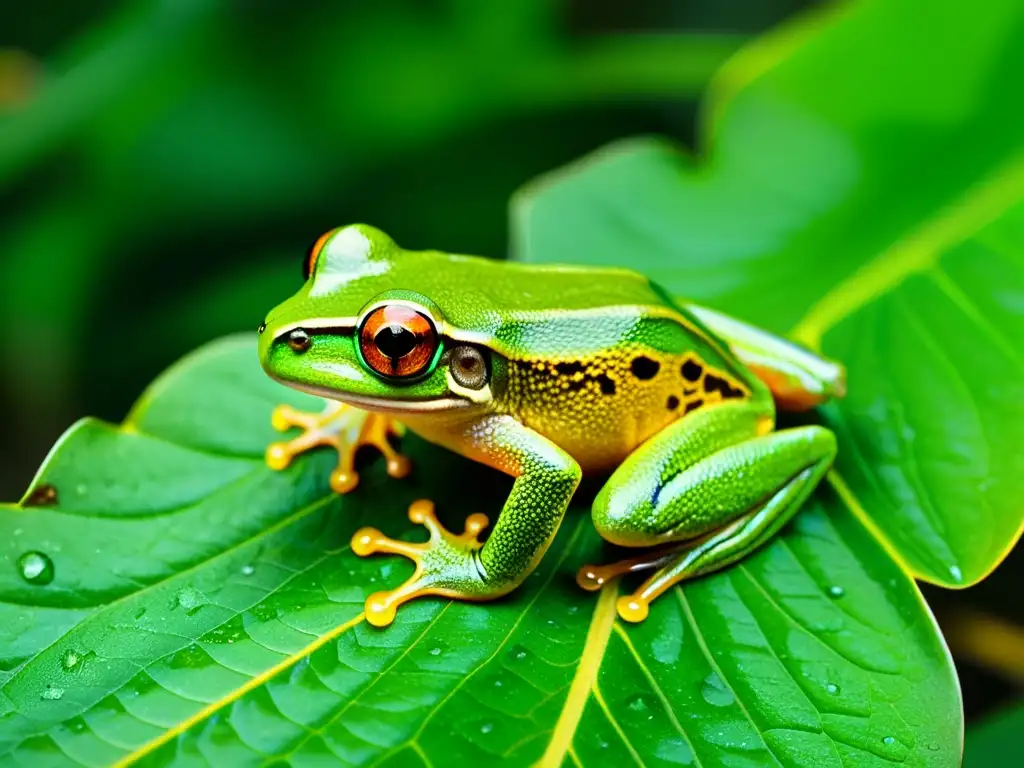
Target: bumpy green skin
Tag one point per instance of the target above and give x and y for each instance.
(590, 370)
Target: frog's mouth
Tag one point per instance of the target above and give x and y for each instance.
(380, 404)
(403, 406)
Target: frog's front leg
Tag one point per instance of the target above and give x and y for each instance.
(342, 427)
(717, 484)
(458, 566)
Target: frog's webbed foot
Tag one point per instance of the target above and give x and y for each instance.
(342, 427)
(446, 564)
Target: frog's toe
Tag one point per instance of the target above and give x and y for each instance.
(345, 429)
(444, 563)
(632, 608)
(593, 577)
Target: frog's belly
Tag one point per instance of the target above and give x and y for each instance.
(599, 439)
(597, 429)
(600, 410)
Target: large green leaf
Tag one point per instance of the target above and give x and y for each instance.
(195, 608)
(862, 190)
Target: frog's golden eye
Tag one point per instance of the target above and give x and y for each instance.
(309, 263)
(397, 341)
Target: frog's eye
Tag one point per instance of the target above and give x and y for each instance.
(309, 263)
(397, 341)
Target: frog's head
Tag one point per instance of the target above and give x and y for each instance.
(355, 332)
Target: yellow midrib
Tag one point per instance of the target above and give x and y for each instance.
(598, 634)
(916, 252)
(236, 694)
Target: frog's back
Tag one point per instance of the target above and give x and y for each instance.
(480, 294)
(605, 359)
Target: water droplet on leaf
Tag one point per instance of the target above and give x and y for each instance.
(70, 659)
(956, 573)
(716, 692)
(52, 693)
(832, 688)
(36, 568)
(435, 651)
(486, 727)
(190, 599)
(638, 702)
(836, 591)
(888, 740)
(248, 570)
(41, 496)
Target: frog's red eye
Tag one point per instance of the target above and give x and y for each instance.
(309, 263)
(397, 341)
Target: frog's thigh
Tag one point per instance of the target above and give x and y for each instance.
(707, 495)
(647, 501)
(745, 492)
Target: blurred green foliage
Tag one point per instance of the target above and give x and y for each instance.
(176, 158)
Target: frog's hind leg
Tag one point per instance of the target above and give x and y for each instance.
(342, 427)
(743, 486)
(798, 378)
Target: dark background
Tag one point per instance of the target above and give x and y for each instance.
(164, 165)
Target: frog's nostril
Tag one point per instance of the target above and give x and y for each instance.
(299, 341)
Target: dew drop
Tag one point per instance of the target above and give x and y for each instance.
(888, 740)
(41, 496)
(498, 683)
(52, 693)
(836, 591)
(956, 573)
(518, 653)
(248, 570)
(486, 727)
(190, 599)
(435, 651)
(140, 613)
(70, 659)
(36, 568)
(933, 746)
(832, 688)
(638, 703)
(716, 692)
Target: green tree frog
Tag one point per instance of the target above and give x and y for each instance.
(547, 372)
